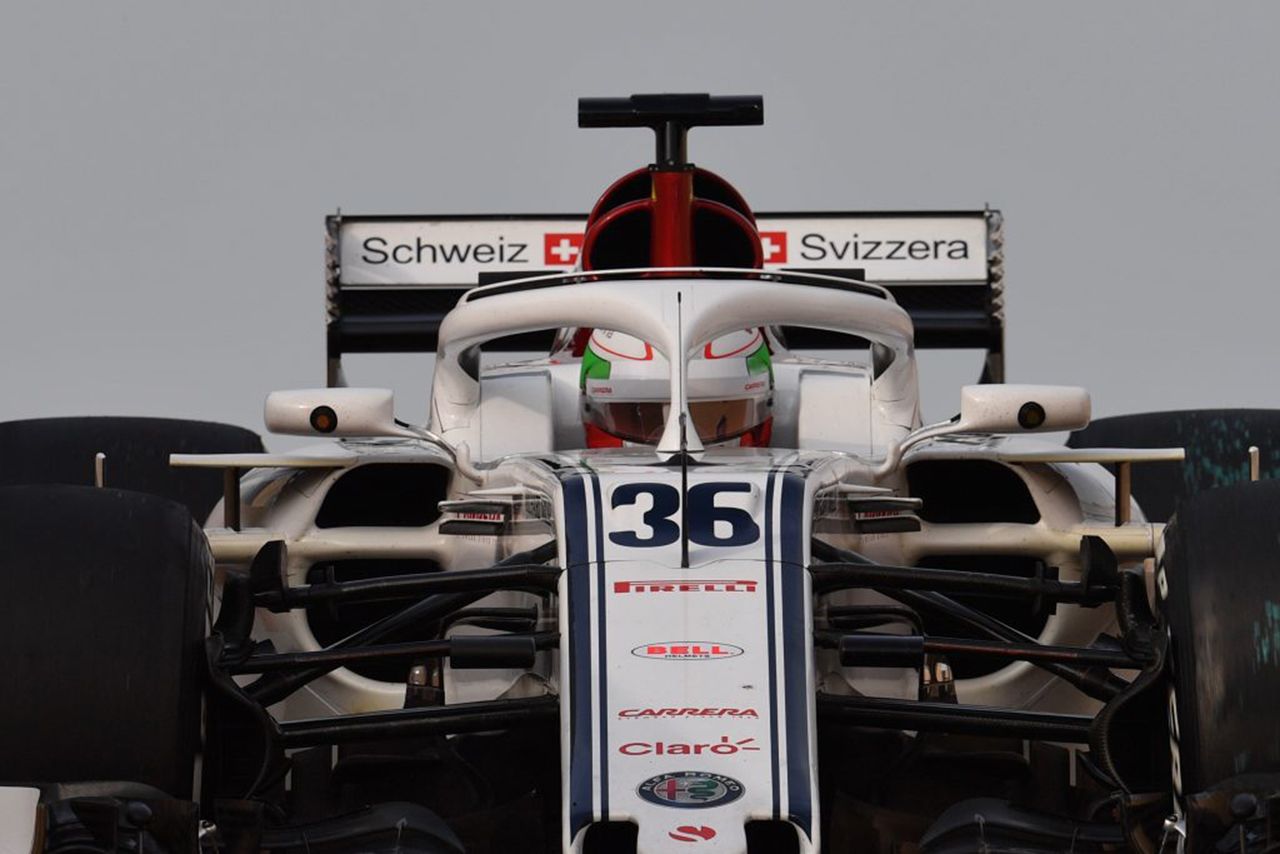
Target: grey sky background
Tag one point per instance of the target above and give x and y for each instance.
(165, 169)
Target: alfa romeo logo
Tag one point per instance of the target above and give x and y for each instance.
(690, 790)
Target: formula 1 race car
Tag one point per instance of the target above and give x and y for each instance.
(673, 565)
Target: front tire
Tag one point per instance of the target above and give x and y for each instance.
(1219, 589)
(1217, 443)
(62, 450)
(106, 595)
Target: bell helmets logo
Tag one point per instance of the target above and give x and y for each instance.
(686, 586)
(691, 833)
(561, 249)
(724, 747)
(773, 245)
(711, 712)
(686, 650)
(690, 790)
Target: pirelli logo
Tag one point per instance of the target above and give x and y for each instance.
(686, 585)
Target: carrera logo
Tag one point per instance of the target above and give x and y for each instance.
(773, 245)
(687, 650)
(378, 251)
(690, 790)
(688, 713)
(723, 747)
(561, 249)
(686, 586)
(690, 833)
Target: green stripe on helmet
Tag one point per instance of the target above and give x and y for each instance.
(760, 362)
(593, 367)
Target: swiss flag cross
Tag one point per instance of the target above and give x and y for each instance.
(774, 246)
(561, 250)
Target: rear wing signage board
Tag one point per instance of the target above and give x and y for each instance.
(391, 279)
(457, 252)
(453, 252)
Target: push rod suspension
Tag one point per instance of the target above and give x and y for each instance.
(494, 651)
(923, 716)
(1092, 681)
(428, 720)
(869, 649)
(527, 576)
(274, 687)
(829, 577)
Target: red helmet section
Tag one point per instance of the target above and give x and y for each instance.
(671, 218)
(671, 214)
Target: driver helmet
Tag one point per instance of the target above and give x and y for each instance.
(626, 390)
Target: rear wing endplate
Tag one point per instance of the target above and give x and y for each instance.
(390, 280)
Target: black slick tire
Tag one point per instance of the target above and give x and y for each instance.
(1218, 583)
(1217, 443)
(62, 450)
(106, 596)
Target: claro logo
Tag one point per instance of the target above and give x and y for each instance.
(724, 747)
(686, 650)
(685, 586)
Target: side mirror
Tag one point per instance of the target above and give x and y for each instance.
(997, 408)
(338, 412)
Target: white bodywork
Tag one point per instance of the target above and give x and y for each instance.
(844, 423)
(676, 319)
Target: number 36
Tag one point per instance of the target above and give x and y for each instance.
(662, 518)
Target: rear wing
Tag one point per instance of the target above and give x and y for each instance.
(390, 280)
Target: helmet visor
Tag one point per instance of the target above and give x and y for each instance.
(714, 420)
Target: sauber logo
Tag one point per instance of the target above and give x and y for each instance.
(686, 586)
(690, 833)
(723, 747)
(712, 712)
(686, 650)
(774, 246)
(561, 249)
